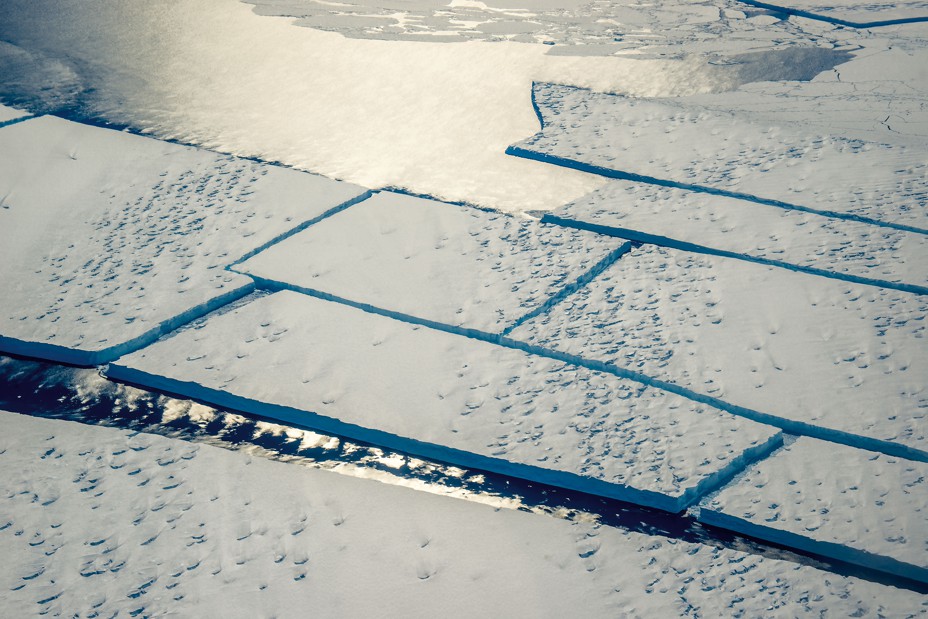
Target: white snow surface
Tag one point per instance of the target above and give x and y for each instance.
(101, 520)
(105, 235)
(724, 150)
(494, 405)
(441, 262)
(807, 240)
(805, 348)
(836, 494)
(8, 113)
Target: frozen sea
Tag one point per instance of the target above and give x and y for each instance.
(463, 308)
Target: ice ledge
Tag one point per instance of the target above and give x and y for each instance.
(90, 358)
(562, 479)
(827, 549)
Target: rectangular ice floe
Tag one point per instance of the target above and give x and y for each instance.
(730, 154)
(9, 115)
(839, 248)
(336, 368)
(109, 239)
(441, 262)
(849, 504)
(819, 356)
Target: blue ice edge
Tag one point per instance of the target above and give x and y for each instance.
(90, 358)
(833, 20)
(451, 455)
(663, 241)
(798, 428)
(526, 153)
(7, 123)
(827, 549)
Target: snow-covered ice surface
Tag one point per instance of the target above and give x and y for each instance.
(716, 224)
(838, 501)
(9, 114)
(779, 166)
(819, 355)
(103, 520)
(336, 368)
(109, 239)
(852, 12)
(439, 262)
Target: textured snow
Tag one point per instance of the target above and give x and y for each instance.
(804, 348)
(832, 495)
(806, 240)
(729, 152)
(440, 262)
(444, 396)
(8, 113)
(102, 520)
(105, 236)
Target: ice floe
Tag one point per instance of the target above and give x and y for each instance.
(109, 239)
(723, 153)
(99, 520)
(817, 355)
(336, 368)
(439, 262)
(857, 506)
(9, 115)
(798, 240)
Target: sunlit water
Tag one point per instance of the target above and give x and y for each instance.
(433, 118)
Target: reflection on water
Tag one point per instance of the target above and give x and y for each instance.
(84, 396)
(434, 118)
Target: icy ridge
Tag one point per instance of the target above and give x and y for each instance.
(788, 425)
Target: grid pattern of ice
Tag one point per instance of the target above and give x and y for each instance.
(505, 406)
(104, 235)
(806, 240)
(815, 350)
(441, 262)
(729, 152)
(835, 494)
